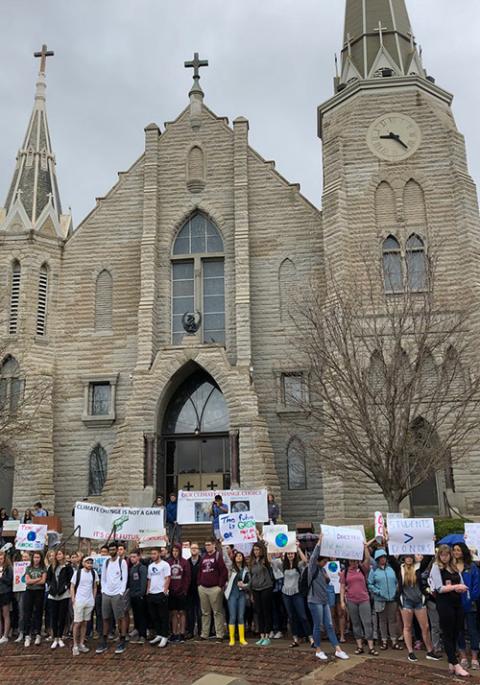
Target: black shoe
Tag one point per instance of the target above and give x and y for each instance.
(412, 657)
(121, 647)
(101, 647)
(433, 657)
(219, 639)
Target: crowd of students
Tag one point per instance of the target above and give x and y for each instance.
(164, 598)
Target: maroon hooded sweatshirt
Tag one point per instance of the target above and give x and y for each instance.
(212, 571)
(180, 574)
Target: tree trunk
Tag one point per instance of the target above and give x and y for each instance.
(393, 503)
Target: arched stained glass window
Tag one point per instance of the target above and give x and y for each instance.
(392, 265)
(97, 470)
(198, 235)
(296, 467)
(416, 263)
(198, 406)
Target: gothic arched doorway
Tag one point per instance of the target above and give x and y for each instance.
(427, 499)
(194, 450)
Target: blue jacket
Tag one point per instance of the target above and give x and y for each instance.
(171, 510)
(471, 578)
(383, 584)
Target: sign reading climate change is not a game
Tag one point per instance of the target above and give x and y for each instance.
(130, 523)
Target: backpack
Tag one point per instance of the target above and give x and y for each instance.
(79, 576)
(304, 586)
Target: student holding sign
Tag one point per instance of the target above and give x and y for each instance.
(36, 577)
(235, 594)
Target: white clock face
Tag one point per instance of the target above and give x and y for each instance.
(394, 137)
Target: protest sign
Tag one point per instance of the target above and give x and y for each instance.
(379, 527)
(98, 562)
(19, 568)
(245, 548)
(333, 571)
(153, 540)
(342, 542)
(10, 526)
(472, 536)
(194, 505)
(31, 536)
(271, 532)
(237, 528)
(392, 516)
(97, 522)
(411, 536)
(282, 543)
(186, 552)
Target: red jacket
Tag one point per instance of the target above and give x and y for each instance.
(212, 571)
(180, 575)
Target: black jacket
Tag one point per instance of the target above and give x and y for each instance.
(58, 588)
(194, 568)
(6, 581)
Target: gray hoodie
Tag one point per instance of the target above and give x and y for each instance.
(318, 588)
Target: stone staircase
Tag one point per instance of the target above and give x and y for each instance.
(197, 532)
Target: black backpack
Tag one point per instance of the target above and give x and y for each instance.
(78, 578)
(303, 585)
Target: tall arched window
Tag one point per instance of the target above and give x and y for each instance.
(11, 386)
(42, 300)
(97, 473)
(103, 301)
(14, 297)
(416, 263)
(198, 279)
(287, 285)
(296, 467)
(392, 265)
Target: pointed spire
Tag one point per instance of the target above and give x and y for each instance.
(378, 41)
(34, 188)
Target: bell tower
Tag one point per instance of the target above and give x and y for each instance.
(395, 166)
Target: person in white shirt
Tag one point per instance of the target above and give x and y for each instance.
(158, 582)
(83, 590)
(114, 585)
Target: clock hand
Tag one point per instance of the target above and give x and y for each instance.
(395, 136)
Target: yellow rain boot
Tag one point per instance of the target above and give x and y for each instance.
(241, 635)
(231, 630)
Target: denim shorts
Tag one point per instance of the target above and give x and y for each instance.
(412, 606)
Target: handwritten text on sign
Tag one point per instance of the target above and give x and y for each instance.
(238, 528)
(411, 536)
(31, 536)
(19, 568)
(342, 543)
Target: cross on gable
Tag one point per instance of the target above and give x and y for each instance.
(196, 63)
(43, 54)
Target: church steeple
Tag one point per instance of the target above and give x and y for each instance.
(378, 41)
(33, 199)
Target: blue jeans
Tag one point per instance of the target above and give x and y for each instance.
(321, 616)
(472, 630)
(295, 607)
(236, 608)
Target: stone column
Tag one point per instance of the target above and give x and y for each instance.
(149, 455)
(242, 247)
(234, 459)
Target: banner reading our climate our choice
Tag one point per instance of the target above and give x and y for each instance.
(194, 506)
(130, 523)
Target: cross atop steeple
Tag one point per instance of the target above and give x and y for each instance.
(196, 63)
(43, 54)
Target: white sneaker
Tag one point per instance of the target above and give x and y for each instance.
(38, 640)
(83, 649)
(28, 641)
(19, 638)
(278, 635)
(60, 643)
(271, 635)
(3, 640)
(54, 644)
(322, 656)
(133, 635)
(156, 640)
(341, 655)
(163, 642)
(75, 650)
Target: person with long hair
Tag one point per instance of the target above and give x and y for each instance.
(293, 565)
(27, 516)
(59, 575)
(412, 601)
(235, 594)
(20, 597)
(318, 604)
(261, 583)
(35, 578)
(354, 596)
(6, 595)
(177, 597)
(463, 562)
(446, 582)
(15, 516)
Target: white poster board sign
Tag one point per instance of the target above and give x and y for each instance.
(19, 568)
(283, 543)
(472, 536)
(333, 571)
(96, 522)
(271, 532)
(237, 528)
(411, 536)
(153, 540)
(379, 527)
(31, 537)
(392, 516)
(10, 526)
(194, 505)
(342, 542)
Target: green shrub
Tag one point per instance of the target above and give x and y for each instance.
(445, 526)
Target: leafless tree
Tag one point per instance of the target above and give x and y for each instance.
(393, 394)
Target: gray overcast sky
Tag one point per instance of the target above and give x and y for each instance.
(118, 66)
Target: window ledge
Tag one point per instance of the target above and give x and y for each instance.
(100, 421)
(282, 409)
(103, 334)
(42, 340)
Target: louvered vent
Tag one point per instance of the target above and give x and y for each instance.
(103, 302)
(14, 298)
(42, 301)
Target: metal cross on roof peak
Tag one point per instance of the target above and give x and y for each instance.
(43, 54)
(196, 63)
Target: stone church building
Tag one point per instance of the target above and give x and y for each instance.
(202, 233)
